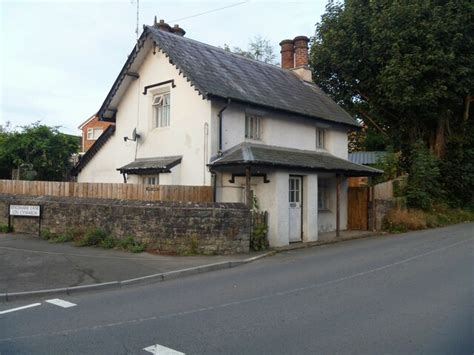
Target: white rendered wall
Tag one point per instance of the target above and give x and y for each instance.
(327, 218)
(185, 136)
(273, 198)
(277, 130)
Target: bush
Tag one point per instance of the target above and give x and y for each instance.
(47, 235)
(108, 243)
(401, 220)
(132, 245)
(423, 187)
(4, 228)
(92, 237)
(63, 238)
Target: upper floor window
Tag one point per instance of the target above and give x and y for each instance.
(161, 110)
(90, 134)
(94, 133)
(252, 127)
(320, 137)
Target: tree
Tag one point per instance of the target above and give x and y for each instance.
(405, 69)
(259, 48)
(39, 151)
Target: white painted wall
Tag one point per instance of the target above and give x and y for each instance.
(185, 136)
(278, 130)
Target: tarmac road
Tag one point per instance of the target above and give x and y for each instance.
(411, 293)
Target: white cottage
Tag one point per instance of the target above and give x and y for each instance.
(187, 113)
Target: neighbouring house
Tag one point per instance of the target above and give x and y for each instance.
(187, 113)
(92, 129)
(364, 158)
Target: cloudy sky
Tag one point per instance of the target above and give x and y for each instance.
(58, 59)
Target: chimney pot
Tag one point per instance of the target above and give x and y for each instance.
(178, 30)
(287, 54)
(163, 26)
(301, 51)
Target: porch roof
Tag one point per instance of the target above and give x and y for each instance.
(264, 156)
(153, 165)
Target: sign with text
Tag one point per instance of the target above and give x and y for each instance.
(25, 210)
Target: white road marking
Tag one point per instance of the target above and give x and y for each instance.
(20, 308)
(236, 303)
(61, 303)
(162, 350)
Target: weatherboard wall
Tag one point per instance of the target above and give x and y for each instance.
(187, 135)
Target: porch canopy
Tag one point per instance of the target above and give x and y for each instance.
(250, 159)
(156, 165)
(266, 158)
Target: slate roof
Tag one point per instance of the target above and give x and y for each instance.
(215, 72)
(366, 158)
(151, 165)
(277, 157)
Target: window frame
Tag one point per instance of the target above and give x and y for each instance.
(161, 110)
(147, 180)
(90, 134)
(96, 136)
(253, 127)
(320, 139)
(323, 195)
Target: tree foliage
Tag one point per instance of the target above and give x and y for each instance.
(259, 48)
(405, 69)
(39, 151)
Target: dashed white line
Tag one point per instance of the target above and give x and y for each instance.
(20, 308)
(158, 349)
(61, 303)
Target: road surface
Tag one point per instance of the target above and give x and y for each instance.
(411, 293)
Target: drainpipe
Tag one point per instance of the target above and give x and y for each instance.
(219, 114)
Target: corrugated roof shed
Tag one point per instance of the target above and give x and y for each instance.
(366, 158)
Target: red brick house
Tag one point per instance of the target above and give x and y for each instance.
(91, 129)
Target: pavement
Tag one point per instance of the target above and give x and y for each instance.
(28, 263)
(410, 293)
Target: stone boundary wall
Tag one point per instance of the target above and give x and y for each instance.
(169, 227)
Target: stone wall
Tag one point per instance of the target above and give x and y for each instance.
(382, 207)
(169, 227)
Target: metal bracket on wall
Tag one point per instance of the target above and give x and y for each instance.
(265, 180)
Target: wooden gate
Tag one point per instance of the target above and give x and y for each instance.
(357, 208)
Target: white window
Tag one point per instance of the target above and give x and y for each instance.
(90, 134)
(161, 110)
(323, 195)
(320, 137)
(151, 180)
(97, 132)
(252, 127)
(94, 133)
(294, 190)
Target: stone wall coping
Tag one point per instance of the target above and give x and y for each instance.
(125, 203)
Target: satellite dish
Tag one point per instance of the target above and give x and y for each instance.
(135, 136)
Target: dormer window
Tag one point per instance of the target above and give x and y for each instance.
(161, 110)
(320, 138)
(252, 127)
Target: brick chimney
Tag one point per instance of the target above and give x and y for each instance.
(302, 58)
(163, 26)
(178, 30)
(287, 54)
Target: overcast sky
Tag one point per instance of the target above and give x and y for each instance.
(59, 58)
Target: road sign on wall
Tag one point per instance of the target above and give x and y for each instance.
(25, 210)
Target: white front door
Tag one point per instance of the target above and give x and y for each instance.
(295, 202)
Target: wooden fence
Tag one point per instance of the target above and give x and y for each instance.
(106, 190)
